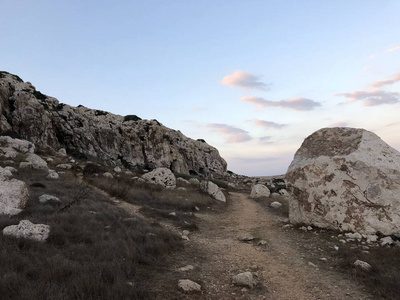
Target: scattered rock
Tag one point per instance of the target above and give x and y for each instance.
(184, 237)
(194, 181)
(13, 196)
(186, 232)
(172, 214)
(162, 176)
(188, 286)
(49, 199)
(312, 265)
(244, 279)
(11, 147)
(11, 169)
(34, 161)
(108, 175)
(181, 188)
(28, 230)
(386, 241)
(355, 235)
(362, 265)
(186, 268)
(276, 204)
(182, 181)
(213, 190)
(5, 173)
(258, 191)
(62, 152)
(64, 166)
(262, 243)
(117, 170)
(246, 238)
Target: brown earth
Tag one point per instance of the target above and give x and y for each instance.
(282, 266)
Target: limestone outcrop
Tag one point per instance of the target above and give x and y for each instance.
(346, 179)
(27, 230)
(83, 132)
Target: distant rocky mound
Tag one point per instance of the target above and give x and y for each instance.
(93, 134)
(346, 179)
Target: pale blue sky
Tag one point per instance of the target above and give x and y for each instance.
(166, 60)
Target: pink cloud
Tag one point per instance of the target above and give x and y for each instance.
(267, 124)
(235, 135)
(396, 48)
(379, 83)
(301, 104)
(244, 80)
(372, 98)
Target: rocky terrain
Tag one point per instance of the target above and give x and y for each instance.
(81, 217)
(93, 134)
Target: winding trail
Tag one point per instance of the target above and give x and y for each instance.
(281, 270)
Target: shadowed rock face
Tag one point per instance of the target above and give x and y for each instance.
(346, 179)
(97, 134)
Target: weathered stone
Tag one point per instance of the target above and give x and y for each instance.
(194, 181)
(53, 175)
(276, 204)
(13, 196)
(346, 179)
(362, 265)
(244, 279)
(162, 176)
(35, 162)
(5, 173)
(182, 181)
(117, 170)
(141, 144)
(64, 166)
(49, 199)
(28, 230)
(258, 191)
(108, 175)
(186, 268)
(10, 147)
(213, 190)
(188, 286)
(386, 241)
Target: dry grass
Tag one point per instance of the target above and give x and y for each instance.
(95, 250)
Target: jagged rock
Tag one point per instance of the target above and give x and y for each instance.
(13, 196)
(162, 176)
(10, 147)
(28, 230)
(49, 199)
(276, 204)
(362, 265)
(258, 191)
(244, 279)
(188, 286)
(137, 143)
(213, 190)
(346, 179)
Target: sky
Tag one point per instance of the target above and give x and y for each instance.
(252, 78)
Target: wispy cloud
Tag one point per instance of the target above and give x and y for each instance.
(372, 98)
(392, 80)
(267, 124)
(235, 135)
(395, 48)
(339, 124)
(244, 80)
(366, 69)
(199, 108)
(301, 104)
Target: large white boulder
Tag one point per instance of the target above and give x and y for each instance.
(34, 161)
(346, 179)
(10, 147)
(162, 176)
(28, 230)
(13, 196)
(259, 190)
(213, 190)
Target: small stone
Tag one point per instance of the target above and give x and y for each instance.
(108, 175)
(312, 265)
(309, 228)
(303, 228)
(117, 170)
(244, 279)
(186, 268)
(287, 226)
(64, 166)
(323, 259)
(172, 214)
(386, 241)
(342, 241)
(188, 286)
(186, 232)
(49, 159)
(246, 238)
(276, 204)
(53, 175)
(362, 265)
(184, 237)
(49, 199)
(262, 243)
(196, 208)
(355, 235)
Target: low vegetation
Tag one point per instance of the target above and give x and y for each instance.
(95, 250)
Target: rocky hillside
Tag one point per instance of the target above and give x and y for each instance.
(94, 134)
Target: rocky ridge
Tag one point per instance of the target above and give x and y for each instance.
(94, 134)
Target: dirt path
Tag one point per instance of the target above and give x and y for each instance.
(281, 270)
